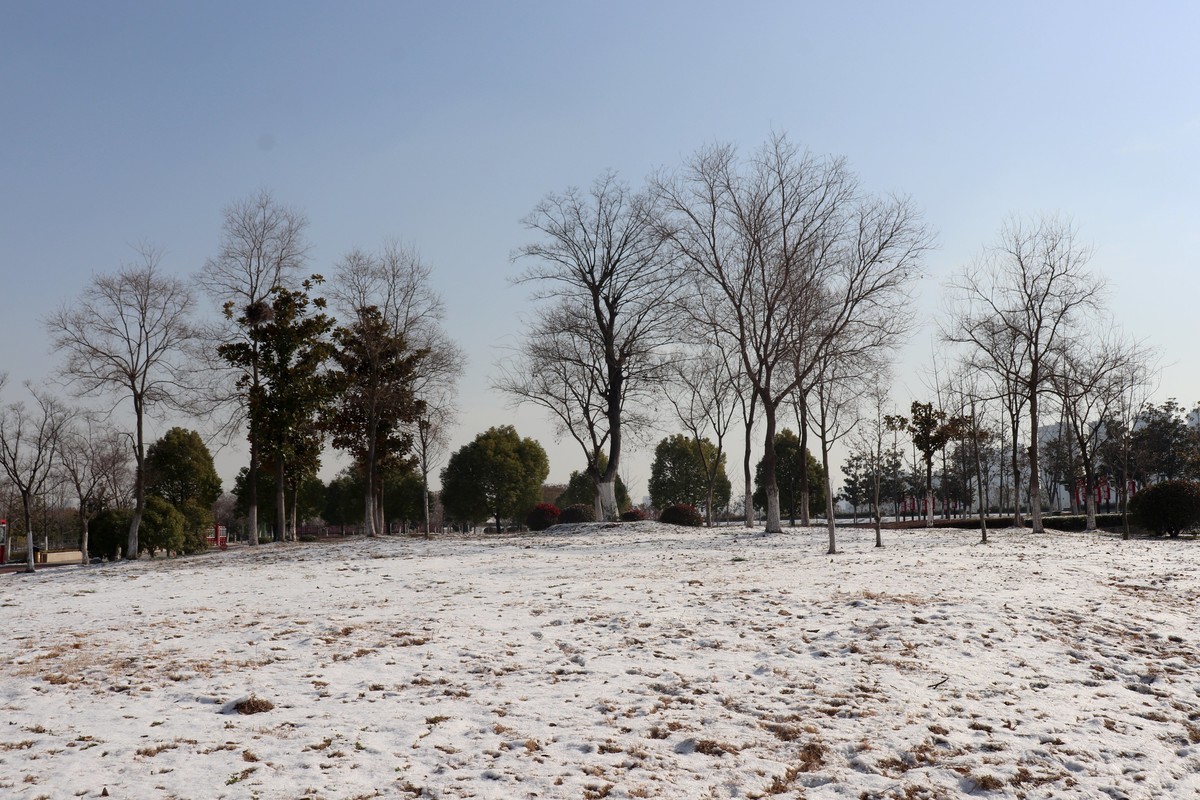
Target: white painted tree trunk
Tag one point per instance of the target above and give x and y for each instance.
(607, 497)
(773, 524)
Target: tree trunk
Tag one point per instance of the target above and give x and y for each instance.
(747, 473)
(425, 496)
(252, 494)
(878, 513)
(1035, 488)
(1124, 492)
(1089, 478)
(139, 481)
(982, 500)
(28, 512)
(597, 504)
(606, 495)
(295, 535)
(929, 497)
(83, 540)
(769, 479)
(280, 500)
(1018, 522)
(805, 489)
(830, 522)
(748, 477)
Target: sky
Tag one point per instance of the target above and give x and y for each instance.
(441, 125)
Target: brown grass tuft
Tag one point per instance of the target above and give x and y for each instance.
(253, 705)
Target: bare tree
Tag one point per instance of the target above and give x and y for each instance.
(262, 249)
(1092, 375)
(839, 384)
(602, 273)
(869, 440)
(29, 442)
(968, 395)
(1016, 305)
(433, 439)
(1123, 417)
(799, 259)
(129, 334)
(702, 392)
(89, 453)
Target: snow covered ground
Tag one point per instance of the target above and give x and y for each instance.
(622, 661)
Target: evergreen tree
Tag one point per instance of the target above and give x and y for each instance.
(498, 474)
(376, 406)
(290, 346)
(788, 469)
(179, 469)
(581, 489)
(677, 474)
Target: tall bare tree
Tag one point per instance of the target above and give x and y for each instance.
(29, 442)
(90, 452)
(702, 392)
(262, 249)
(129, 334)
(1091, 376)
(869, 440)
(796, 258)
(842, 380)
(1016, 305)
(432, 438)
(602, 276)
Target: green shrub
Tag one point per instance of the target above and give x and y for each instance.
(681, 514)
(109, 532)
(1169, 507)
(633, 515)
(162, 527)
(579, 512)
(542, 516)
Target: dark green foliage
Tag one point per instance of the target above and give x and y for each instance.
(179, 469)
(1169, 507)
(344, 500)
(931, 430)
(198, 521)
(283, 375)
(542, 516)
(579, 512)
(499, 474)
(634, 515)
(402, 495)
(162, 527)
(375, 403)
(1163, 445)
(109, 532)
(310, 499)
(681, 514)
(581, 489)
(787, 476)
(680, 475)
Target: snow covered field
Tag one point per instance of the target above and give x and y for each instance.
(626, 661)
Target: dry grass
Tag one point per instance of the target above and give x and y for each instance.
(712, 748)
(254, 705)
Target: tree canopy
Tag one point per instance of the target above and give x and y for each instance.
(499, 474)
(678, 474)
(788, 467)
(179, 469)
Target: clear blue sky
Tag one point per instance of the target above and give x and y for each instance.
(442, 124)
